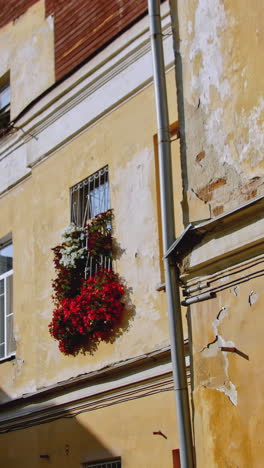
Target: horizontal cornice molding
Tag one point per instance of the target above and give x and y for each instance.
(134, 378)
(100, 86)
(229, 239)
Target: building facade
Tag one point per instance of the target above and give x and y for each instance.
(82, 102)
(219, 63)
(77, 107)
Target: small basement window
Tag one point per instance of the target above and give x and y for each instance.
(112, 463)
(5, 97)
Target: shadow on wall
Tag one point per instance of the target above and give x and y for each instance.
(54, 442)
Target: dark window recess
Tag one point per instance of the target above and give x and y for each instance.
(90, 197)
(114, 463)
(4, 108)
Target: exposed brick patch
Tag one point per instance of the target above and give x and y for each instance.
(251, 194)
(206, 193)
(199, 157)
(218, 210)
(49, 7)
(250, 189)
(83, 27)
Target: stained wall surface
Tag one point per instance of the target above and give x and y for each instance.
(27, 54)
(124, 430)
(42, 41)
(228, 371)
(221, 44)
(220, 70)
(38, 209)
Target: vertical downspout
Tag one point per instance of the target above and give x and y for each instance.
(168, 232)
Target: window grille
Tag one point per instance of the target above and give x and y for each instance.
(114, 463)
(90, 197)
(7, 343)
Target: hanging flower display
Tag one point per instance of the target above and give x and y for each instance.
(87, 293)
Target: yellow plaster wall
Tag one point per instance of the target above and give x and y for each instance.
(37, 211)
(222, 50)
(228, 397)
(125, 429)
(27, 51)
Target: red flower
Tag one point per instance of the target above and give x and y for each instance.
(92, 314)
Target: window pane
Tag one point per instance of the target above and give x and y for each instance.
(2, 351)
(9, 295)
(99, 200)
(90, 197)
(4, 97)
(2, 286)
(2, 319)
(10, 337)
(6, 259)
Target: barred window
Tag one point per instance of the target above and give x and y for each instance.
(114, 463)
(7, 342)
(90, 197)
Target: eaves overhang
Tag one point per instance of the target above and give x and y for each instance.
(234, 230)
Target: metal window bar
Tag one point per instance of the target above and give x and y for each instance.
(94, 264)
(116, 463)
(90, 197)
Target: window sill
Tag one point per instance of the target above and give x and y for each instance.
(7, 358)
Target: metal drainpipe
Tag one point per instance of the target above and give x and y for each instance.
(168, 232)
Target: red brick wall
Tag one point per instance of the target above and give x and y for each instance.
(82, 27)
(10, 10)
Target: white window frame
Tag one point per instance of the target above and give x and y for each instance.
(4, 277)
(109, 463)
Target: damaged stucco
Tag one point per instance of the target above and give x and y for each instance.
(27, 53)
(214, 350)
(227, 340)
(221, 44)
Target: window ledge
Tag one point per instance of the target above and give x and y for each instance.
(7, 358)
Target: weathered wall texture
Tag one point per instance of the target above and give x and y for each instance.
(27, 52)
(36, 223)
(125, 429)
(78, 35)
(226, 335)
(228, 371)
(222, 55)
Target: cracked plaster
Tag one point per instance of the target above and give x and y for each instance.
(224, 106)
(212, 350)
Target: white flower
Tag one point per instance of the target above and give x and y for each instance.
(74, 245)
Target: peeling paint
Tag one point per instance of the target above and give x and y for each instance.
(210, 18)
(230, 391)
(224, 105)
(235, 290)
(212, 350)
(252, 298)
(251, 141)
